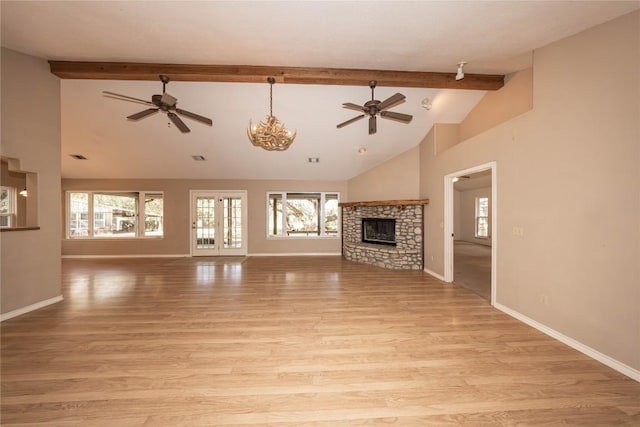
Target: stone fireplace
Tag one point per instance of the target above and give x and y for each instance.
(385, 233)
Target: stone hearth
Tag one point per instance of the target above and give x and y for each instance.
(407, 254)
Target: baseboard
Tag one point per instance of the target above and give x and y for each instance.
(434, 274)
(125, 256)
(300, 254)
(632, 373)
(32, 307)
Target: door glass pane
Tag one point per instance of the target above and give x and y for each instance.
(232, 223)
(79, 214)
(205, 222)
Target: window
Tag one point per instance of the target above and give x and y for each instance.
(100, 214)
(7, 206)
(482, 217)
(302, 214)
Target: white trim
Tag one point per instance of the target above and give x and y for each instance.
(448, 223)
(632, 373)
(32, 307)
(299, 254)
(126, 256)
(434, 274)
(218, 250)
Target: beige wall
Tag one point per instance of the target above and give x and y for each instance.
(515, 98)
(446, 135)
(31, 133)
(568, 174)
(177, 221)
(467, 210)
(396, 179)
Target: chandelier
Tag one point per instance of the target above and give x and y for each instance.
(270, 134)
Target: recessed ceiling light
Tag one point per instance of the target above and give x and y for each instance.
(314, 160)
(198, 158)
(362, 150)
(78, 156)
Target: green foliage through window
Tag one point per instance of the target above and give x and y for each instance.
(302, 214)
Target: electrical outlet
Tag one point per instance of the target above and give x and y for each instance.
(518, 231)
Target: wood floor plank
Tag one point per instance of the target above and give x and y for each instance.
(289, 341)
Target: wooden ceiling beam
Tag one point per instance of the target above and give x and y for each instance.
(259, 74)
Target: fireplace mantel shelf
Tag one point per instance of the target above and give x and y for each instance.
(399, 203)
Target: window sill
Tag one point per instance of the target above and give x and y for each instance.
(3, 229)
(301, 237)
(111, 239)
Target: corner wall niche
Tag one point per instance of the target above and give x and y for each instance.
(406, 254)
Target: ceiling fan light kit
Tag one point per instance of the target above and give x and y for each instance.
(270, 134)
(165, 103)
(374, 108)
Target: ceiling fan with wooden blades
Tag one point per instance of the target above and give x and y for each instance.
(165, 103)
(374, 108)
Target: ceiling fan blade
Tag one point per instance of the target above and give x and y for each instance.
(348, 122)
(404, 118)
(142, 114)
(178, 122)
(195, 116)
(126, 98)
(353, 106)
(392, 101)
(372, 125)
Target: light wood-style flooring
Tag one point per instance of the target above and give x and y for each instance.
(290, 341)
(472, 267)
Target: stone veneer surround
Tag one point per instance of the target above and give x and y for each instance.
(408, 252)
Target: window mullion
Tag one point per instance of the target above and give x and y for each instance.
(90, 214)
(141, 213)
(283, 223)
(321, 214)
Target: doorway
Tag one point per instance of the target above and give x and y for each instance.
(218, 223)
(470, 242)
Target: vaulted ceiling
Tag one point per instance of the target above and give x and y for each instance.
(495, 38)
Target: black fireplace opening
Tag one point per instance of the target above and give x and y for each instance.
(381, 231)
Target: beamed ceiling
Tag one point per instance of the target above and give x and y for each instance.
(322, 54)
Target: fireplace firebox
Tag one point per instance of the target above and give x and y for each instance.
(380, 231)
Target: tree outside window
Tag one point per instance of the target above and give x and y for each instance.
(302, 214)
(482, 217)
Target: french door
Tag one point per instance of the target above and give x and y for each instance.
(218, 223)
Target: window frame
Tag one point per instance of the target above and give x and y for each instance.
(322, 217)
(479, 217)
(140, 215)
(11, 215)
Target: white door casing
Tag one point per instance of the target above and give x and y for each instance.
(218, 223)
(449, 222)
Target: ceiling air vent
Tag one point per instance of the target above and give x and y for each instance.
(198, 158)
(78, 156)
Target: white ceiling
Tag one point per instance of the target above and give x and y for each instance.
(494, 37)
